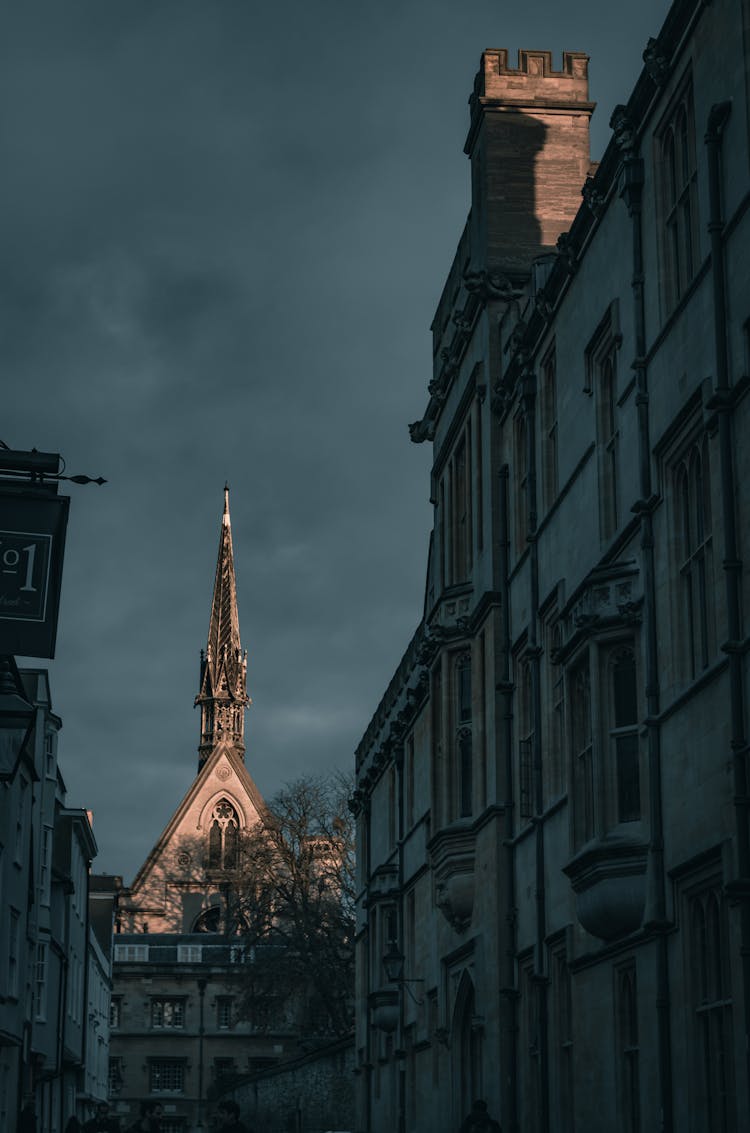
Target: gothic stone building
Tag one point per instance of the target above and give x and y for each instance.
(177, 1035)
(552, 794)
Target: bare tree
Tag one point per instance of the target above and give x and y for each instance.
(292, 903)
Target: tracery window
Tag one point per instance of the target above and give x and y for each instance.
(223, 834)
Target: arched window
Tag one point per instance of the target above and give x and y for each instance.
(223, 836)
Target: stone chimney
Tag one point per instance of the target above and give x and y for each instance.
(529, 148)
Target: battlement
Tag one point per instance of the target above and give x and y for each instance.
(534, 80)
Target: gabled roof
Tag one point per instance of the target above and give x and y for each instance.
(205, 784)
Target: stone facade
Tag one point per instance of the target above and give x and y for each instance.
(552, 795)
(310, 1094)
(54, 973)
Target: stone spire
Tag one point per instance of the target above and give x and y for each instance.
(223, 681)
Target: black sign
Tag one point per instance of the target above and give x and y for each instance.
(32, 542)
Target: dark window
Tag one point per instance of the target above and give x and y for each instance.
(224, 1012)
(115, 1076)
(463, 740)
(712, 1077)
(679, 203)
(115, 1013)
(608, 444)
(166, 1076)
(626, 1010)
(624, 734)
(549, 428)
(582, 762)
(526, 741)
(521, 481)
(694, 539)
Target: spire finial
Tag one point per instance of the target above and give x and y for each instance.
(223, 690)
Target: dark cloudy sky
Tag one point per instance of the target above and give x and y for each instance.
(225, 227)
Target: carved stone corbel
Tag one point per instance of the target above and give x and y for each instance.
(657, 64)
(593, 199)
(623, 129)
(566, 252)
(491, 285)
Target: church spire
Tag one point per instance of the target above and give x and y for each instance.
(223, 681)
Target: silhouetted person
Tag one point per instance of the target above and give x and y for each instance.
(73, 1125)
(479, 1121)
(229, 1118)
(102, 1122)
(149, 1119)
(27, 1119)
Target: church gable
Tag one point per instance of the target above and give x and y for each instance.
(182, 876)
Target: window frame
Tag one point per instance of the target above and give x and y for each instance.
(676, 185)
(167, 1005)
(168, 1066)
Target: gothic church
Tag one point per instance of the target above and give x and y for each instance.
(176, 1034)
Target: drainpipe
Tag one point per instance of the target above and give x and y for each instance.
(400, 1053)
(534, 654)
(508, 989)
(739, 888)
(368, 971)
(656, 904)
(201, 1033)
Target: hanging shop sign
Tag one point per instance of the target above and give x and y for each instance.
(33, 523)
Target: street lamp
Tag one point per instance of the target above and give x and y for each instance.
(16, 718)
(393, 966)
(393, 963)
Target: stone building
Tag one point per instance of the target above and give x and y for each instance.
(179, 965)
(52, 968)
(552, 800)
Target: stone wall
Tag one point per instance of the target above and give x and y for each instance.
(311, 1094)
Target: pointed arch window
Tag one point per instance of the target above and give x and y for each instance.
(223, 836)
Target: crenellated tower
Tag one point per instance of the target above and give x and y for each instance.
(223, 675)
